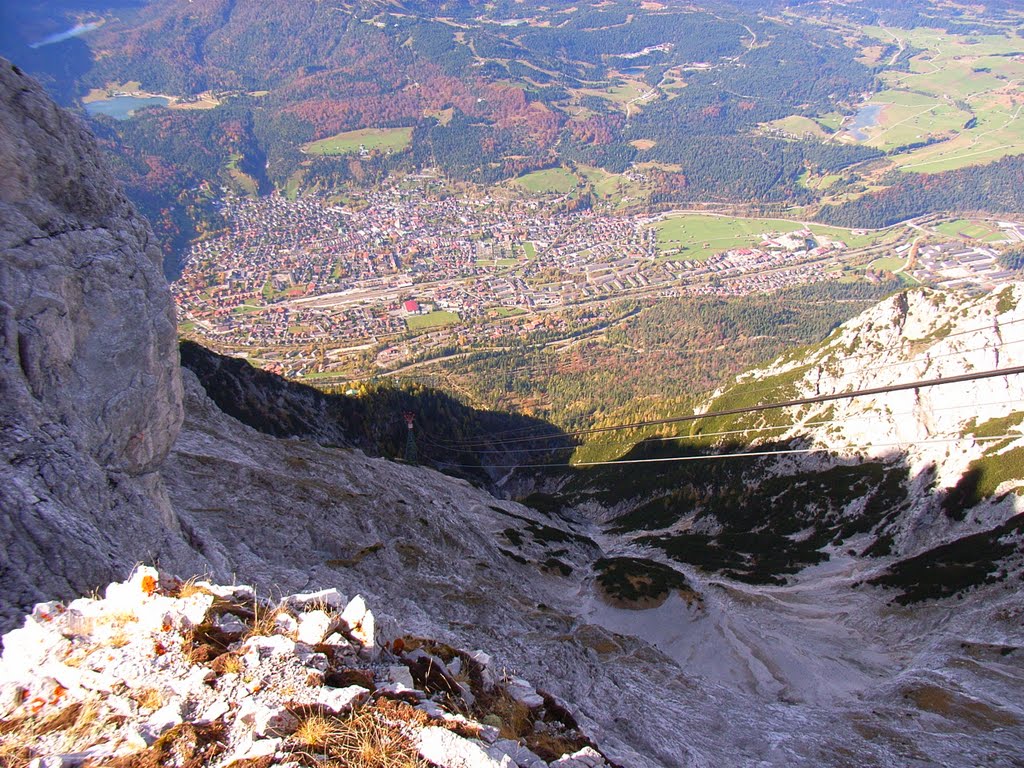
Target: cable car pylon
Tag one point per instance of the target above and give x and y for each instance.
(410, 438)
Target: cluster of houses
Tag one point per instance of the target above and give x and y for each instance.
(293, 278)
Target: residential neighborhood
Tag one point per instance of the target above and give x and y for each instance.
(404, 271)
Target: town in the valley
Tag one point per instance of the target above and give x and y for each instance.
(327, 290)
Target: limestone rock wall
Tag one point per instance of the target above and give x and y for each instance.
(90, 387)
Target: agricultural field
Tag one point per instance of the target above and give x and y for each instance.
(615, 188)
(242, 180)
(509, 312)
(620, 95)
(811, 181)
(350, 142)
(500, 262)
(431, 320)
(908, 118)
(998, 133)
(832, 121)
(549, 181)
(697, 237)
(291, 190)
(851, 237)
(964, 88)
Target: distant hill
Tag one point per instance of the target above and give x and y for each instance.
(491, 90)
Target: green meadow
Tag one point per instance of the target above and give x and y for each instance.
(549, 181)
(697, 237)
(431, 320)
(962, 91)
(349, 142)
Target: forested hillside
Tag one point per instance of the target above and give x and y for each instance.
(998, 188)
(492, 91)
(692, 96)
(662, 358)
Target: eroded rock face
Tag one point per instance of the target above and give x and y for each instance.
(90, 388)
(88, 322)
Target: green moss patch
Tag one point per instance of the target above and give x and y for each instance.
(635, 583)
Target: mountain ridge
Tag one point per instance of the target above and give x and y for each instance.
(665, 656)
(917, 335)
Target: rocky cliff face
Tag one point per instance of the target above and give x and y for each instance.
(92, 404)
(959, 446)
(91, 392)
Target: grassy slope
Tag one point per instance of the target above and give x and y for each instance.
(349, 142)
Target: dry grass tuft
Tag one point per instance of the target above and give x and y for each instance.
(228, 664)
(149, 699)
(264, 621)
(79, 726)
(368, 740)
(14, 754)
(190, 588)
(516, 718)
(184, 746)
(551, 746)
(88, 728)
(401, 712)
(119, 639)
(370, 737)
(315, 731)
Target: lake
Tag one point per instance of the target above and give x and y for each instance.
(866, 117)
(122, 107)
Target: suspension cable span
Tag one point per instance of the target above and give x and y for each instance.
(514, 438)
(741, 455)
(499, 435)
(787, 403)
(986, 439)
(754, 431)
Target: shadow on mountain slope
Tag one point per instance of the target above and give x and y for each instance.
(756, 519)
(461, 440)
